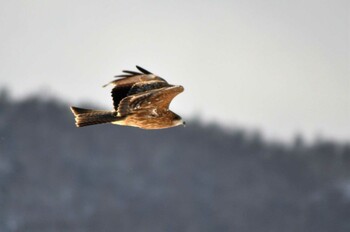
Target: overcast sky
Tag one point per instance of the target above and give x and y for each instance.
(278, 66)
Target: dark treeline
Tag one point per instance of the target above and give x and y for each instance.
(55, 177)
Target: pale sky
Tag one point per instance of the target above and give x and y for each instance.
(278, 66)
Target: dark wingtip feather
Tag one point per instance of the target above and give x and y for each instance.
(143, 70)
(128, 73)
(123, 75)
(131, 72)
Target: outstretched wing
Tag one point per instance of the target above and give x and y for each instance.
(153, 101)
(132, 77)
(134, 82)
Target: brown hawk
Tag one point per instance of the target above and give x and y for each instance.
(140, 99)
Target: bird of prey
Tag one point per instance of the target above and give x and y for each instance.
(140, 99)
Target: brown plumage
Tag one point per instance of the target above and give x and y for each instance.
(140, 99)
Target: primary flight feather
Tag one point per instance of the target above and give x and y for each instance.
(140, 99)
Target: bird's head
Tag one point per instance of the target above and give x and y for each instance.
(177, 120)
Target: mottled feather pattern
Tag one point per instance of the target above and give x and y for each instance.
(147, 86)
(131, 104)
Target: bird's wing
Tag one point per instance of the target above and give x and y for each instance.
(145, 86)
(120, 92)
(133, 82)
(150, 101)
(131, 77)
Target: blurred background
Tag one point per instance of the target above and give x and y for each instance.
(266, 101)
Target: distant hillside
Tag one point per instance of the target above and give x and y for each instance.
(55, 177)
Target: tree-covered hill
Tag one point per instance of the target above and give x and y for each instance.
(56, 177)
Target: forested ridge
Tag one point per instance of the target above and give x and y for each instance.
(56, 177)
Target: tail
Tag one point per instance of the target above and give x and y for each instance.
(86, 117)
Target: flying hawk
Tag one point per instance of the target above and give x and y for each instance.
(140, 99)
